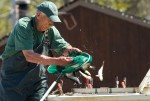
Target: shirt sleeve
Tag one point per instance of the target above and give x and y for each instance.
(58, 44)
(23, 38)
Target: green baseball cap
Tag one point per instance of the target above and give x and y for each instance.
(50, 9)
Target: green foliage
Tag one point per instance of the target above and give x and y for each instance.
(35, 3)
(121, 5)
(5, 16)
(5, 23)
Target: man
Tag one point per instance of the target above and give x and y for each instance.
(23, 74)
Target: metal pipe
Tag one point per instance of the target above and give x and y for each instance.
(50, 88)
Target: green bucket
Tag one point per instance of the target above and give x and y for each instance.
(80, 59)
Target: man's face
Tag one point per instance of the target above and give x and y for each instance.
(43, 22)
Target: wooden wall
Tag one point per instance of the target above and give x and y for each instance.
(124, 46)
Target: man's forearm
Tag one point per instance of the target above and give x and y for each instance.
(33, 57)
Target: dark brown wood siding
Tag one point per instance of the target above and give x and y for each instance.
(124, 46)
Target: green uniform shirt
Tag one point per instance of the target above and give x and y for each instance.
(25, 36)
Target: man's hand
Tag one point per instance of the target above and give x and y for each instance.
(76, 49)
(63, 61)
(69, 49)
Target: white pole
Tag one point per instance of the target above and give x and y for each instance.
(48, 91)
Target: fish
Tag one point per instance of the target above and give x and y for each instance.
(72, 76)
(86, 74)
(100, 72)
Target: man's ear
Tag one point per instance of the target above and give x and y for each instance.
(38, 14)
